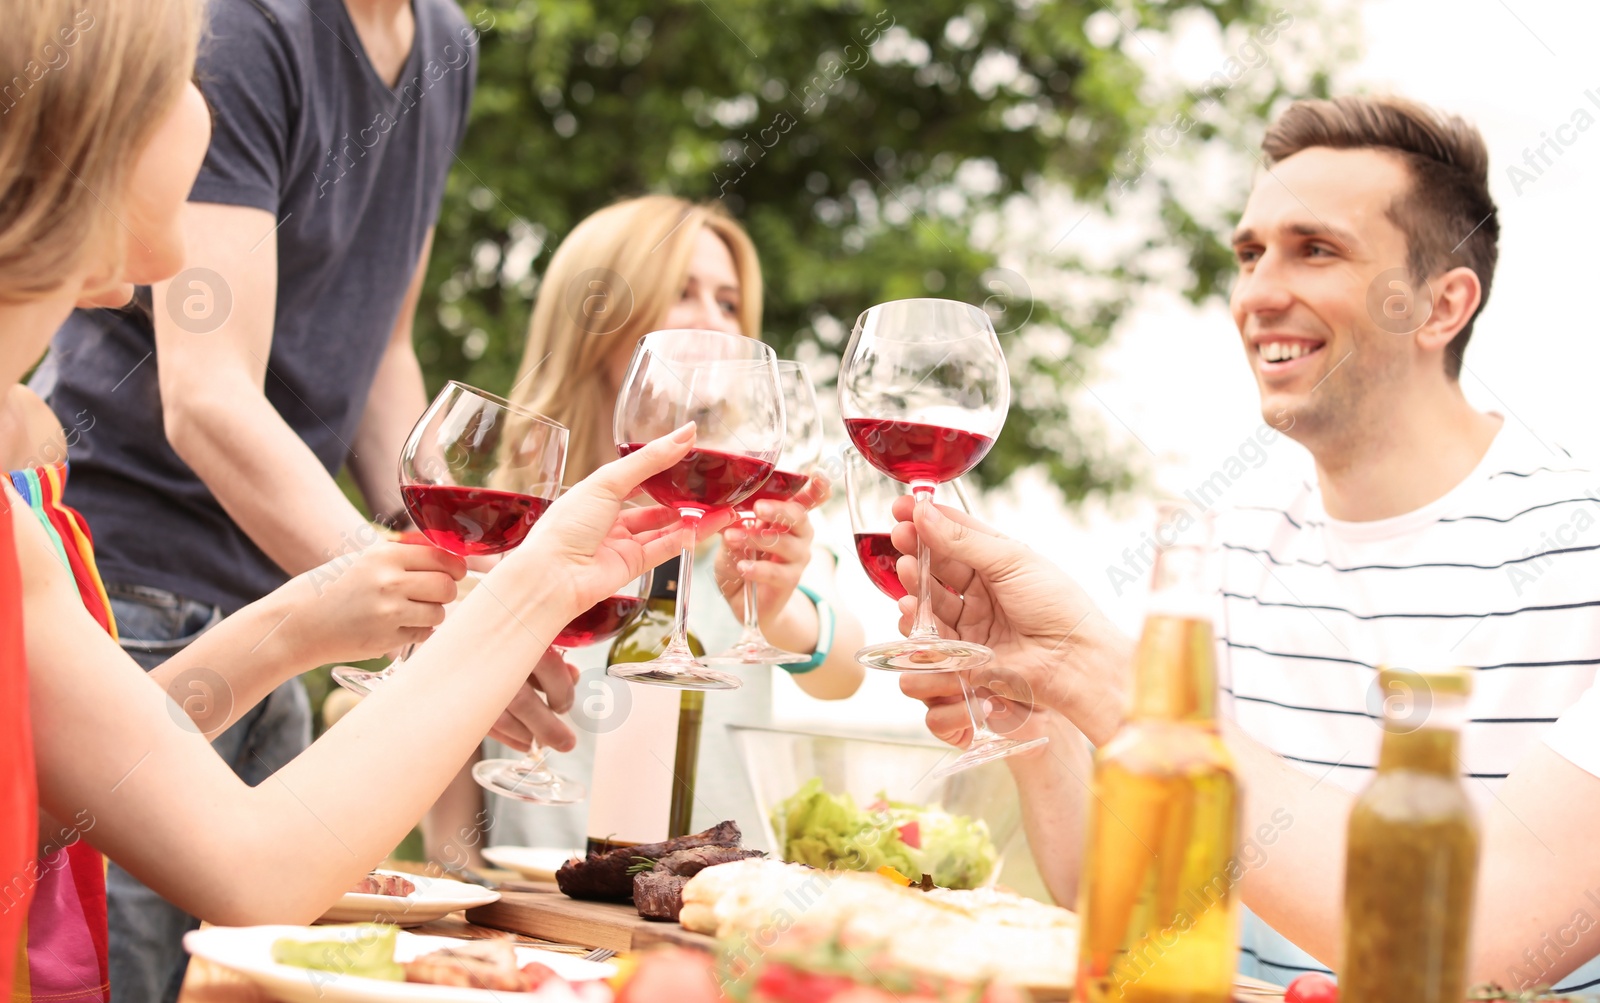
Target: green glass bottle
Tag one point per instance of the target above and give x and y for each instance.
(1158, 901)
(644, 769)
(1411, 862)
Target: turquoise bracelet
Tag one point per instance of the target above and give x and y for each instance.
(824, 635)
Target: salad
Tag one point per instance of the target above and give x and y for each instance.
(831, 831)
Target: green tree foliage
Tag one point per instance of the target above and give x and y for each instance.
(863, 143)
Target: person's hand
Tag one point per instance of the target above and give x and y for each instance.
(1051, 645)
(593, 546)
(774, 556)
(531, 716)
(379, 600)
(947, 718)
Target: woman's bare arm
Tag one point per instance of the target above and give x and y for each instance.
(111, 747)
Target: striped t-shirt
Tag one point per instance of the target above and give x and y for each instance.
(1501, 574)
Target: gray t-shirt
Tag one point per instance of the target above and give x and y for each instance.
(353, 171)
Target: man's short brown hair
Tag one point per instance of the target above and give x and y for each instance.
(1448, 217)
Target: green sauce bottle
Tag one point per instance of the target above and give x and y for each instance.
(1412, 862)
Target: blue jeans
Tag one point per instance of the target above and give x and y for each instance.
(146, 932)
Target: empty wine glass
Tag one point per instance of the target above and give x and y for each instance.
(802, 445)
(924, 391)
(728, 387)
(530, 778)
(871, 496)
(476, 473)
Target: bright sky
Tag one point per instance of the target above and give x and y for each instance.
(1175, 379)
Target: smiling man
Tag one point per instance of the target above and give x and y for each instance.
(1433, 533)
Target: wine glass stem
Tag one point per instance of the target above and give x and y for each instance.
(533, 764)
(922, 627)
(680, 612)
(752, 623)
(975, 714)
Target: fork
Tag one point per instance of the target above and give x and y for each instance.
(599, 954)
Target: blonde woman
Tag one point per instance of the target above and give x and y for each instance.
(641, 265)
(96, 157)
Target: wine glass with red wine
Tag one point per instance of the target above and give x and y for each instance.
(924, 390)
(530, 778)
(802, 445)
(728, 386)
(476, 473)
(871, 497)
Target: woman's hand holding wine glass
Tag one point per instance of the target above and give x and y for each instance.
(772, 545)
(593, 544)
(532, 718)
(773, 553)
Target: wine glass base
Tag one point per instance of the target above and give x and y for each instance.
(689, 675)
(755, 653)
(512, 778)
(936, 655)
(359, 681)
(986, 752)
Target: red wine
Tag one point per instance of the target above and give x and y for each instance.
(604, 619)
(910, 452)
(781, 486)
(878, 558)
(705, 478)
(468, 521)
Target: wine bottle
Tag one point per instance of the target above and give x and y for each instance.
(644, 768)
(1158, 900)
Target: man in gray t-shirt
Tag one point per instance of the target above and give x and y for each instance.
(281, 352)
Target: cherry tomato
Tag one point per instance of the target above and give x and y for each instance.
(1312, 987)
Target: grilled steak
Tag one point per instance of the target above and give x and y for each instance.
(659, 893)
(604, 877)
(688, 863)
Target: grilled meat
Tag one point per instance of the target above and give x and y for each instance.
(606, 877)
(383, 884)
(659, 895)
(478, 964)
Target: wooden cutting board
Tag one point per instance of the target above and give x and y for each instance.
(538, 909)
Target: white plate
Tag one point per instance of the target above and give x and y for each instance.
(247, 950)
(433, 899)
(536, 863)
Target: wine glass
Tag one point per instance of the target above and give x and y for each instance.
(871, 496)
(802, 445)
(924, 391)
(728, 386)
(529, 778)
(476, 473)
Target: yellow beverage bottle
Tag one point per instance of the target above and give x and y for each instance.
(1157, 900)
(1411, 865)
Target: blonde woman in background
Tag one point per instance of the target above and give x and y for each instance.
(641, 265)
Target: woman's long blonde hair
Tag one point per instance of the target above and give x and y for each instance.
(610, 283)
(83, 86)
